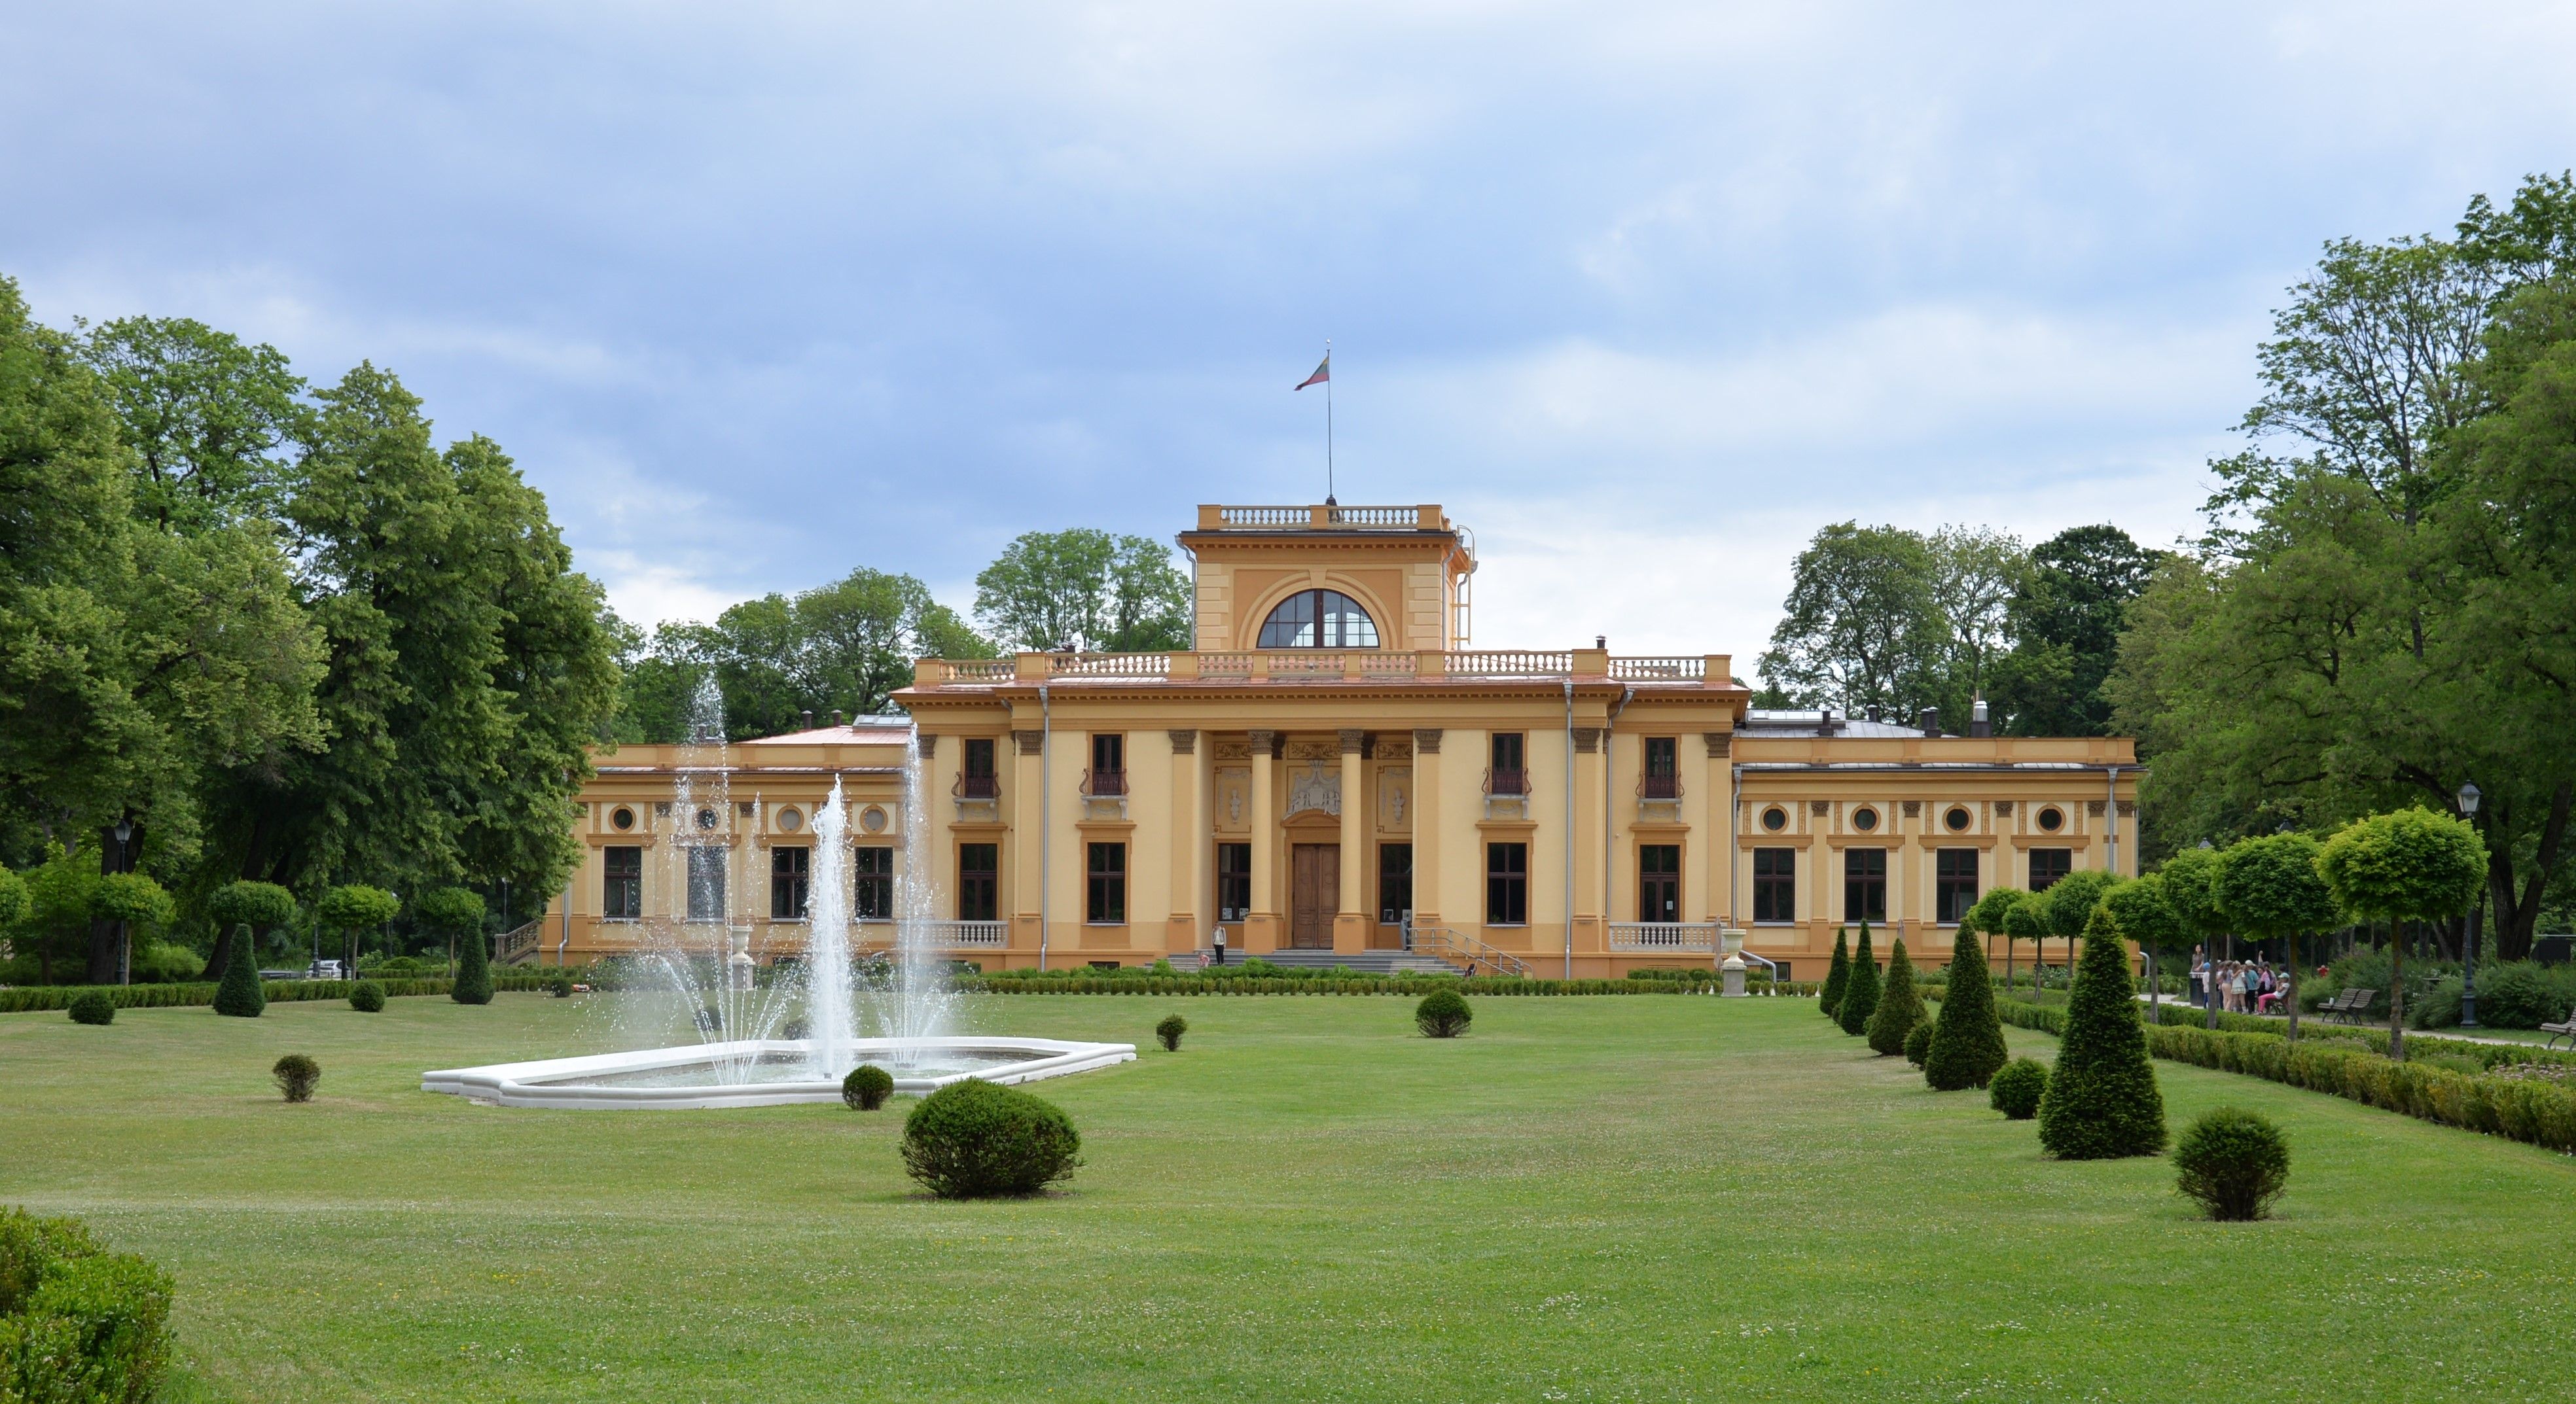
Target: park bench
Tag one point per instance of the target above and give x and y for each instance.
(2350, 1005)
(2556, 1032)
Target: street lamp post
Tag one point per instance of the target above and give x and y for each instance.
(2208, 971)
(2469, 966)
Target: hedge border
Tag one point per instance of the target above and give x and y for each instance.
(2534, 1111)
(24, 999)
(1336, 985)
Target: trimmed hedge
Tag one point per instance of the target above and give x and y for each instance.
(2540, 1111)
(1093, 982)
(77, 1323)
(30, 998)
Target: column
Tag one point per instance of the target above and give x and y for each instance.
(1023, 898)
(1590, 937)
(1719, 841)
(1184, 929)
(1351, 918)
(1426, 826)
(1261, 924)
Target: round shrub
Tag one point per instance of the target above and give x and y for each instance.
(560, 987)
(1170, 1031)
(297, 1076)
(1918, 1044)
(867, 1087)
(94, 1007)
(2017, 1088)
(1442, 1014)
(974, 1139)
(367, 997)
(2234, 1162)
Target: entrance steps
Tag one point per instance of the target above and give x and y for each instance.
(1365, 962)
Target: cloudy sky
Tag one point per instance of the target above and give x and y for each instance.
(1645, 293)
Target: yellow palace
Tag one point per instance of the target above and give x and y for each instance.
(1333, 775)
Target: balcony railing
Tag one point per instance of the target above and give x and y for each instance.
(961, 935)
(977, 787)
(1664, 937)
(1506, 780)
(1325, 665)
(1660, 787)
(1103, 784)
(1322, 515)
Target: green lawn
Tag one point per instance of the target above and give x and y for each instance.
(1647, 1198)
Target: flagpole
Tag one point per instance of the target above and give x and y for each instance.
(1328, 422)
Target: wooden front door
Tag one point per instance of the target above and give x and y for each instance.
(1314, 895)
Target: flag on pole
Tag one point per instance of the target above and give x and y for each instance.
(1323, 372)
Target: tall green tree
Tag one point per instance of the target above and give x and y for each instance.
(2412, 865)
(1967, 1040)
(1085, 590)
(213, 423)
(2370, 623)
(2149, 922)
(1976, 574)
(2069, 903)
(1988, 915)
(2065, 619)
(1861, 627)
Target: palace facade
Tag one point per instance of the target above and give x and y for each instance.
(1334, 769)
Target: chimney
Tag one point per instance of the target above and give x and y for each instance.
(836, 717)
(1825, 719)
(1873, 712)
(1602, 642)
(808, 714)
(1930, 717)
(1978, 725)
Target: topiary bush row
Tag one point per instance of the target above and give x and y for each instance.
(77, 1323)
(55, 998)
(1103, 983)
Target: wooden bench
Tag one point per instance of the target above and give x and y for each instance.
(2556, 1032)
(2350, 1005)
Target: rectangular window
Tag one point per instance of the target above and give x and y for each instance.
(1394, 882)
(979, 882)
(1510, 774)
(1955, 871)
(1108, 765)
(706, 884)
(1106, 874)
(1865, 884)
(1663, 768)
(1507, 883)
(1775, 884)
(789, 871)
(1233, 881)
(1659, 882)
(979, 780)
(622, 897)
(2047, 865)
(875, 877)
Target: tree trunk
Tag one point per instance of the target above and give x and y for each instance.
(2396, 992)
(2517, 914)
(214, 970)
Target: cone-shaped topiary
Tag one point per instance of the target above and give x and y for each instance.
(1900, 1006)
(1968, 1040)
(2102, 1099)
(240, 995)
(473, 969)
(1860, 988)
(1837, 975)
(1918, 1044)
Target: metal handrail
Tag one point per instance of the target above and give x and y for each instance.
(1473, 957)
(977, 787)
(1659, 787)
(1102, 784)
(521, 944)
(1509, 782)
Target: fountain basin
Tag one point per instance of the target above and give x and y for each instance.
(766, 1072)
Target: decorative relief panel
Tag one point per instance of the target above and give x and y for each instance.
(1314, 751)
(1318, 786)
(1395, 797)
(1231, 750)
(1391, 749)
(1233, 799)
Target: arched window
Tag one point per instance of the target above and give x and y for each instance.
(1318, 619)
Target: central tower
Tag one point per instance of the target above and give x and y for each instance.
(1391, 578)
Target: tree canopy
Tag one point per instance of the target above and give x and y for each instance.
(1085, 590)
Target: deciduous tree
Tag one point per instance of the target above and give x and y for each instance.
(2412, 865)
(2274, 886)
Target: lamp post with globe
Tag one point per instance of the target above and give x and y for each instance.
(2469, 966)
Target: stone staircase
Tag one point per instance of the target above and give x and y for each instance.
(1365, 962)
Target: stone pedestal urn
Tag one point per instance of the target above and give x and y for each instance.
(1730, 971)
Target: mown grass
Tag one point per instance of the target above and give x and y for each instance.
(1588, 1198)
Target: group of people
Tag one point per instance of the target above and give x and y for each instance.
(2243, 986)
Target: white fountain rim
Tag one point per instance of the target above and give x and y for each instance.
(538, 1083)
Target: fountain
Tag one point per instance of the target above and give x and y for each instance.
(896, 1013)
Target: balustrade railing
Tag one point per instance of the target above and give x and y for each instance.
(1225, 665)
(1656, 937)
(520, 944)
(1302, 664)
(1109, 665)
(1511, 663)
(981, 670)
(941, 935)
(1658, 669)
(1266, 516)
